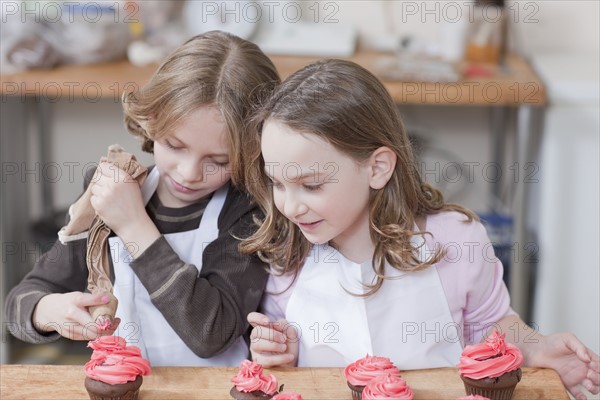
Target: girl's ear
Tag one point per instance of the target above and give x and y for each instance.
(382, 164)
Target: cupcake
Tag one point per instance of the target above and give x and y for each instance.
(115, 370)
(386, 387)
(360, 372)
(287, 396)
(250, 383)
(491, 369)
(473, 397)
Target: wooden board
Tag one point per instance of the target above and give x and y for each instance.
(66, 382)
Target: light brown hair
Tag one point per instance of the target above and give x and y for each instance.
(212, 69)
(346, 105)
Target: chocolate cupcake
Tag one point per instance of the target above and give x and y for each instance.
(250, 383)
(362, 371)
(491, 369)
(115, 369)
(98, 390)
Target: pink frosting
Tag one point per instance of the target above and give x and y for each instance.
(114, 362)
(287, 396)
(250, 378)
(360, 372)
(473, 397)
(104, 322)
(387, 387)
(490, 359)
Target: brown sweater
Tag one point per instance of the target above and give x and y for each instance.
(207, 310)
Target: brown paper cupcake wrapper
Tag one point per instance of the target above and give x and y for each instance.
(500, 388)
(356, 391)
(103, 391)
(492, 394)
(131, 395)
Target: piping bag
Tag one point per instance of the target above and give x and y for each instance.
(97, 254)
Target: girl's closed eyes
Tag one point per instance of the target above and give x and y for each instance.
(171, 146)
(311, 188)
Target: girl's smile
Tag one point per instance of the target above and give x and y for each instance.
(309, 226)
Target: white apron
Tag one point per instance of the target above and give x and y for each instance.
(142, 324)
(408, 319)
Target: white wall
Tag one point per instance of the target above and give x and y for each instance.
(568, 297)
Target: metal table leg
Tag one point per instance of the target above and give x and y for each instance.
(529, 132)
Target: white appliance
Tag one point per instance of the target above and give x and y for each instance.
(307, 39)
(568, 285)
(279, 28)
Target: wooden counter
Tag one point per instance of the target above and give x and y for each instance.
(66, 382)
(515, 85)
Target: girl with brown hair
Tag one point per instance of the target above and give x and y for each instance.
(366, 257)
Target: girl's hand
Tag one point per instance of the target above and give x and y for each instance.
(575, 363)
(117, 199)
(564, 352)
(273, 344)
(68, 315)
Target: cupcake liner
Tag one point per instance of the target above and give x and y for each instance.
(103, 391)
(492, 394)
(131, 395)
(500, 388)
(356, 391)
(258, 395)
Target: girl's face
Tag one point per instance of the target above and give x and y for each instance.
(320, 189)
(193, 161)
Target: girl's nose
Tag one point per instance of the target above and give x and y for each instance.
(294, 207)
(190, 170)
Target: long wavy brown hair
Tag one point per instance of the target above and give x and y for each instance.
(344, 104)
(212, 69)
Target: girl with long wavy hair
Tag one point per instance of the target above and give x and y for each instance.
(366, 257)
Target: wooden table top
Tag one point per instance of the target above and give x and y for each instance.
(66, 382)
(515, 85)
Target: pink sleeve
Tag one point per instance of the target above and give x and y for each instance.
(277, 294)
(470, 273)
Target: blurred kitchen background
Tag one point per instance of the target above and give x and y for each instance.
(48, 143)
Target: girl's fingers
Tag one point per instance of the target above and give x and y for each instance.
(88, 299)
(577, 393)
(260, 332)
(590, 386)
(78, 315)
(261, 346)
(81, 332)
(272, 360)
(267, 334)
(256, 318)
(106, 169)
(594, 377)
(289, 330)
